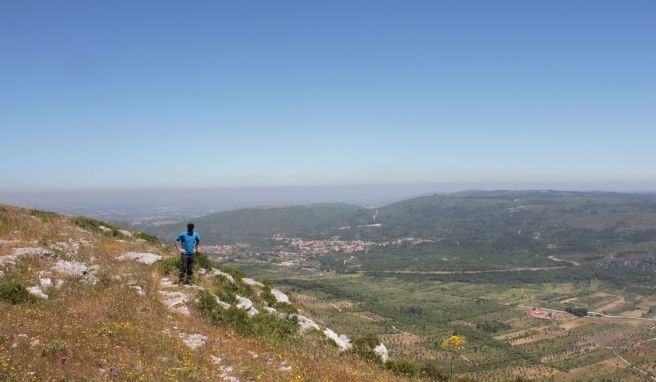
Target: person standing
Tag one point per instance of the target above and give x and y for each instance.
(187, 243)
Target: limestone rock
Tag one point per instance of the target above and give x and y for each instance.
(193, 341)
(141, 257)
(381, 350)
(342, 341)
(37, 291)
(251, 282)
(280, 297)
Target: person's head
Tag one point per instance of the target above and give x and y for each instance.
(190, 227)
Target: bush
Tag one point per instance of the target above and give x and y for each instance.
(91, 224)
(43, 215)
(202, 261)
(94, 225)
(206, 302)
(267, 296)
(234, 272)
(14, 292)
(270, 325)
(430, 372)
(171, 265)
(577, 311)
(402, 367)
(260, 325)
(53, 347)
(147, 237)
(225, 290)
(493, 326)
(364, 346)
(323, 339)
(284, 307)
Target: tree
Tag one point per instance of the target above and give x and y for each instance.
(453, 344)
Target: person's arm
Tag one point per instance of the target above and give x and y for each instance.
(197, 242)
(177, 245)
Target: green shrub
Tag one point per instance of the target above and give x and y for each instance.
(225, 290)
(227, 295)
(323, 339)
(364, 346)
(94, 225)
(402, 367)
(234, 272)
(171, 265)
(147, 237)
(260, 325)
(91, 224)
(493, 326)
(578, 311)
(43, 215)
(430, 372)
(53, 347)
(14, 292)
(202, 261)
(284, 307)
(206, 302)
(270, 325)
(267, 296)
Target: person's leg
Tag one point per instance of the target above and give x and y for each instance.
(190, 268)
(183, 268)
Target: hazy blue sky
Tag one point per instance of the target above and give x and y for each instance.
(148, 94)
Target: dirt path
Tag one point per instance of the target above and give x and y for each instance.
(629, 364)
(521, 269)
(518, 269)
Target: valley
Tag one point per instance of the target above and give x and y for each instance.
(502, 269)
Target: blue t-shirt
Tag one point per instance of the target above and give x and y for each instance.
(188, 242)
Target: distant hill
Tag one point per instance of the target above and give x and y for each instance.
(483, 220)
(255, 224)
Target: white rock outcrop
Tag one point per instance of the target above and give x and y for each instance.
(140, 291)
(175, 301)
(247, 305)
(381, 350)
(77, 269)
(342, 341)
(193, 341)
(71, 268)
(280, 297)
(37, 291)
(306, 323)
(222, 304)
(18, 253)
(218, 272)
(251, 282)
(141, 257)
(46, 282)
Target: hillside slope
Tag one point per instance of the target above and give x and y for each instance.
(82, 300)
(475, 220)
(252, 224)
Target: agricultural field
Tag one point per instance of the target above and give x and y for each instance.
(411, 316)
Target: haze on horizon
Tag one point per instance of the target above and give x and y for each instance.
(399, 98)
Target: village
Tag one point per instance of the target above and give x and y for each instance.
(296, 247)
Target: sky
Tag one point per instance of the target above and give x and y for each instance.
(124, 95)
